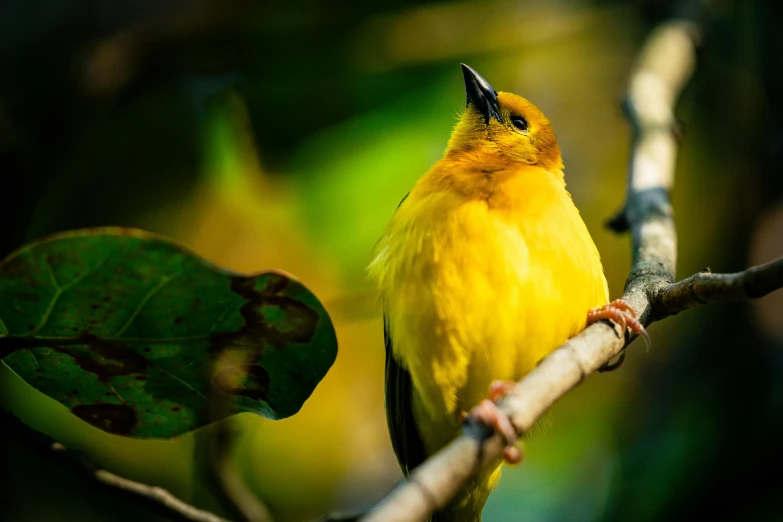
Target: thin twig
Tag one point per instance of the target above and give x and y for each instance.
(663, 67)
(153, 498)
(230, 481)
(706, 287)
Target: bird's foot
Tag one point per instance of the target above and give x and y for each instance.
(621, 313)
(488, 413)
(499, 388)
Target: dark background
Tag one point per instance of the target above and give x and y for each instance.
(284, 135)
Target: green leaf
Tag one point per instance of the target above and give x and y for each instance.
(126, 329)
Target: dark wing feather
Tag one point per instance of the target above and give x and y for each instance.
(405, 438)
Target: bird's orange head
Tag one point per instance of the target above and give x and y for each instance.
(503, 125)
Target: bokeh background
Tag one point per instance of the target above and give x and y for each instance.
(284, 134)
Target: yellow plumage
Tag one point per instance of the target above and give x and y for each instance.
(484, 268)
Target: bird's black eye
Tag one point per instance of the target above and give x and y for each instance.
(519, 122)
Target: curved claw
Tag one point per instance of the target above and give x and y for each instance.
(490, 415)
(621, 313)
(622, 305)
(499, 388)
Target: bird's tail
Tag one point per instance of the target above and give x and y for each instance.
(450, 516)
(467, 505)
(457, 514)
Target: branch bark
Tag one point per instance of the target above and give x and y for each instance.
(664, 66)
(706, 287)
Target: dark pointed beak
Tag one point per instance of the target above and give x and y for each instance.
(481, 94)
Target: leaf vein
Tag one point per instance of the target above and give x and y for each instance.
(228, 310)
(38, 366)
(52, 277)
(47, 313)
(186, 384)
(58, 292)
(164, 281)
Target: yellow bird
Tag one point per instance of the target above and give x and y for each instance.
(485, 268)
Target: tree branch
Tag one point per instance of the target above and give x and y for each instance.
(155, 499)
(706, 287)
(664, 65)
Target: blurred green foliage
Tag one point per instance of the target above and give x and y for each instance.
(210, 121)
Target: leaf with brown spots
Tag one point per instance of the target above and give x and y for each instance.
(133, 333)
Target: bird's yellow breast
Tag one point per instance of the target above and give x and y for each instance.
(480, 280)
